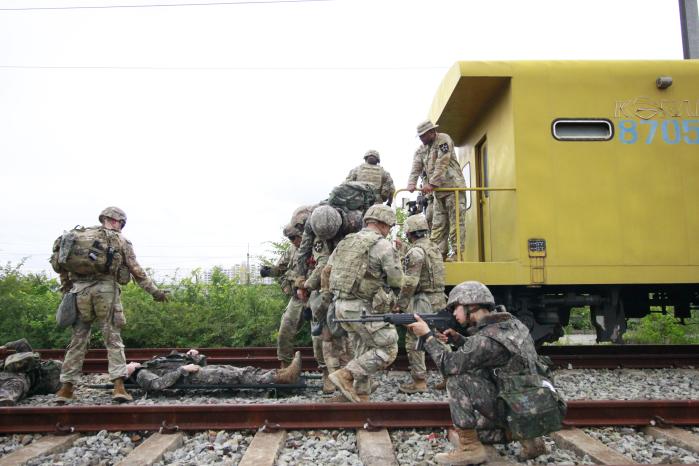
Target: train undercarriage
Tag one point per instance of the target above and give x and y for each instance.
(547, 309)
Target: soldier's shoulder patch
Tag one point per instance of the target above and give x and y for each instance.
(444, 147)
(318, 246)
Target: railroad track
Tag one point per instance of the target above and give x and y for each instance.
(579, 357)
(373, 425)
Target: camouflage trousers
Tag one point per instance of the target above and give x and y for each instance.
(13, 387)
(98, 301)
(231, 375)
(337, 351)
(289, 327)
(472, 405)
(375, 344)
(444, 223)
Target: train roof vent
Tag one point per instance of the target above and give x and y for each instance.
(582, 129)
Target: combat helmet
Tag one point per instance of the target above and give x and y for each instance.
(381, 213)
(114, 212)
(300, 216)
(373, 152)
(325, 222)
(470, 292)
(291, 230)
(416, 223)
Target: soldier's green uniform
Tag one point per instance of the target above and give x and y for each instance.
(376, 175)
(99, 299)
(365, 268)
(438, 165)
(23, 374)
(422, 290)
(499, 347)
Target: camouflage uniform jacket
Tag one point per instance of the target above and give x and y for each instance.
(379, 268)
(439, 163)
(78, 283)
(377, 176)
(284, 269)
(424, 273)
(321, 254)
(499, 341)
(151, 381)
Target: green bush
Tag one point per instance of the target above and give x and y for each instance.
(199, 314)
(657, 328)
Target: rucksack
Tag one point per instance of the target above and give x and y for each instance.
(352, 195)
(86, 251)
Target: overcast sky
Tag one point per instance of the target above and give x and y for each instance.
(209, 124)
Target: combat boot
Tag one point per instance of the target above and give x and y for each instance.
(468, 449)
(65, 394)
(119, 393)
(416, 386)
(342, 378)
(441, 385)
(291, 373)
(531, 448)
(328, 387)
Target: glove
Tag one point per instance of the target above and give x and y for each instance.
(161, 296)
(307, 313)
(265, 271)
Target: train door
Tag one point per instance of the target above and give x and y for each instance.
(483, 202)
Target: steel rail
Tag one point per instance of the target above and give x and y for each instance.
(316, 416)
(579, 357)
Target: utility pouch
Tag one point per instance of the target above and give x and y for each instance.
(67, 312)
(528, 407)
(334, 326)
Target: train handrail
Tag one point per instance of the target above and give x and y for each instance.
(458, 208)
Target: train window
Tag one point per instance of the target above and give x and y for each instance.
(582, 129)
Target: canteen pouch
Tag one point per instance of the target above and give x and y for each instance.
(527, 407)
(67, 312)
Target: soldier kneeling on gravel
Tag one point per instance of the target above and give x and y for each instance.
(191, 369)
(496, 393)
(23, 374)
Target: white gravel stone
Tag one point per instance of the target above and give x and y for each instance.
(642, 448)
(319, 448)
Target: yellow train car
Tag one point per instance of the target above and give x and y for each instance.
(602, 162)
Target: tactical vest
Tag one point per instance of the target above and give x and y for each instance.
(174, 360)
(90, 252)
(350, 275)
(48, 378)
(432, 273)
(372, 174)
(514, 336)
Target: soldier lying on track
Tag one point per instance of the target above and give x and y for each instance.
(24, 374)
(190, 369)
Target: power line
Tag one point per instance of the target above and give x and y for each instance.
(158, 5)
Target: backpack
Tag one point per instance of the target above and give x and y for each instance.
(86, 251)
(353, 195)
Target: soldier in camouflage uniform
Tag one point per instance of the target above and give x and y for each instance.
(291, 322)
(371, 172)
(22, 374)
(422, 292)
(364, 272)
(499, 345)
(336, 349)
(99, 299)
(436, 162)
(191, 369)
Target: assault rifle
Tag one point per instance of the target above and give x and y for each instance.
(439, 321)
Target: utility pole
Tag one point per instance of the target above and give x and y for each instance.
(689, 23)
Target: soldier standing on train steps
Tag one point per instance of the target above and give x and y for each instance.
(435, 161)
(92, 263)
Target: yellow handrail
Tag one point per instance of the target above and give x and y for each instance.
(458, 208)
